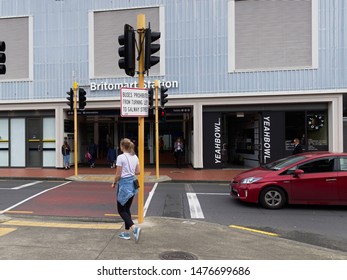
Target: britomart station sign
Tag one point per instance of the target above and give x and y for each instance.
(105, 86)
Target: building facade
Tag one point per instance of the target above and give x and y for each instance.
(245, 78)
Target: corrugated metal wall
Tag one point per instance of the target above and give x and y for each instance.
(196, 48)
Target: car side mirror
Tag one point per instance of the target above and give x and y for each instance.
(298, 172)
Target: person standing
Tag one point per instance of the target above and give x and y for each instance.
(161, 144)
(178, 146)
(127, 167)
(297, 147)
(92, 149)
(112, 156)
(65, 150)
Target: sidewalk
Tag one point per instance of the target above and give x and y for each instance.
(107, 174)
(160, 239)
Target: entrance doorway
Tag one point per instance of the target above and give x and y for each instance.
(34, 142)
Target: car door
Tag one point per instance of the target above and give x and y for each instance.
(318, 183)
(342, 180)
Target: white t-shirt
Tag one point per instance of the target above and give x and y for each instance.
(122, 160)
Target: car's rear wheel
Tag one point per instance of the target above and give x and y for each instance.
(272, 198)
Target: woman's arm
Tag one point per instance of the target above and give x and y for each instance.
(117, 177)
(137, 169)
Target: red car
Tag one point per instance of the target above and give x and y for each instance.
(307, 178)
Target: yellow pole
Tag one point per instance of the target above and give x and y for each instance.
(156, 86)
(141, 26)
(75, 88)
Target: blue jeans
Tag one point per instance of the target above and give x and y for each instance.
(66, 160)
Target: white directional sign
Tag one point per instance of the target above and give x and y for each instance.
(133, 102)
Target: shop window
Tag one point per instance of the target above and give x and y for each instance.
(309, 127)
(295, 128)
(317, 131)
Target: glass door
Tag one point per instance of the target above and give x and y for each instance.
(34, 142)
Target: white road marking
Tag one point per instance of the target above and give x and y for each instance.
(149, 198)
(213, 193)
(26, 185)
(194, 206)
(27, 199)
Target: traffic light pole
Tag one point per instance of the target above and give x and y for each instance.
(156, 86)
(141, 28)
(75, 89)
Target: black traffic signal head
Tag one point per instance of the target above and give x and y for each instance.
(82, 99)
(151, 48)
(70, 99)
(163, 96)
(126, 50)
(150, 97)
(2, 58)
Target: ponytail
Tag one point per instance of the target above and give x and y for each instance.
(128, 145)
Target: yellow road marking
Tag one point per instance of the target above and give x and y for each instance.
(63, 225)
(254, 230)
(117, 215)
(4, 231)
(19, 212)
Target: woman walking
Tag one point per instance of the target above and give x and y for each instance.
(127, 167)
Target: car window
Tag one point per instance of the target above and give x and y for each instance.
(343, 163)
(282, 163)
(318, 166)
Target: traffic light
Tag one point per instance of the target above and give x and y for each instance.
(127, 50)
(150, 97)
(2, 58)
(163, 96)
(70, 98)
(151, 48)
(82, 98)
(162, 114)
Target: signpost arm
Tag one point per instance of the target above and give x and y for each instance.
(156, 87)
(141, 25)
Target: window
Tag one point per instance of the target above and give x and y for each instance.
(343, 164)
(310, 127)
(17, 32)
(105, 27)
(272, 34)
(318, 166)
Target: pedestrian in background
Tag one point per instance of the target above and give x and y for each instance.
(65, 150)
(161, 144)
(92, 149)
(111, 155)
(297, 147)
(127, 167)
(178, 147)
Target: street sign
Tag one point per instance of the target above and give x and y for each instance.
(133, 102)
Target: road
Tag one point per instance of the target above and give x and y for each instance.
(210, 202)
(324, 226)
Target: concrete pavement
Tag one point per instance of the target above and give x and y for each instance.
(161, 238)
